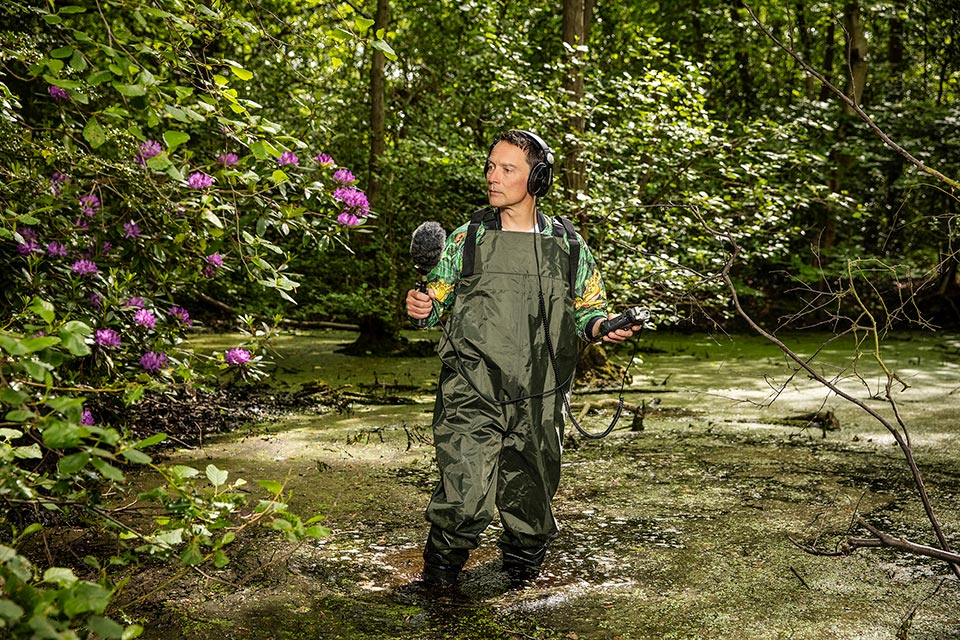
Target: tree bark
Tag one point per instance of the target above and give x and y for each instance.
(576, 25)
(378, 119)
(856, 55)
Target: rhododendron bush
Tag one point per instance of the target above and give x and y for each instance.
(135, 170)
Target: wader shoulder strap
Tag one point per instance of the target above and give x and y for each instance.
(574, 252)
(480, 216)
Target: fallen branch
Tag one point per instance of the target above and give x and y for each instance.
(886, 540)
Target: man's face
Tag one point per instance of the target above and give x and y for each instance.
(507, 173)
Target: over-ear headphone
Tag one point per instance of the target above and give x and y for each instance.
(541, 174)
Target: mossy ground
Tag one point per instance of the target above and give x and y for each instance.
(689, 528)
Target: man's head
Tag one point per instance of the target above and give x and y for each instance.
(537, 155)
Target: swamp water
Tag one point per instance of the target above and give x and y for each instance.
(684, 529)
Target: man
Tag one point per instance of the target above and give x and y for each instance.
(515, 290)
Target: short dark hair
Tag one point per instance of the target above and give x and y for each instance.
(531, 150)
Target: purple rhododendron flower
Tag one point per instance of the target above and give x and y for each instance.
(56, 249)
(237, 357)
(131, 230)
(153, 361)
(354, 199)
(86, 418)
(199, 180)
(324, 159)
(182, 315)
(107, 338)
(96, 300)
(145, 318)
(28, 247)
(89, 205)
(288, 157)
(343, 176)
(348, 219)
(57, 93)
(136, 302)
(148, 149)
(215, 259)
(57, 180)
(84, 267)
(106, 247)
(228, 159)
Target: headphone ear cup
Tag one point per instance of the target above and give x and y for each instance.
(538, 184)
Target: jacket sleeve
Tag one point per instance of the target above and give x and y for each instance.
(443, 278)
(591, 296)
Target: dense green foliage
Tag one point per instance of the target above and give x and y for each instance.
(162, 160)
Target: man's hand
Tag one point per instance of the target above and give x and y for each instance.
(617, 336)
(419, 305)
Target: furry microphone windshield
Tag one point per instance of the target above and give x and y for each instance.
(427, 245)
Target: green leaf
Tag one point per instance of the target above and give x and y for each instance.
(61, 576)
(94, 134)
(212, 218)
(279, 176)
(191, 555)
(72, 9)
(72, 463)
(259, 150)
(150, 441)
(105, 627)
(44, 309)
(361, 24)
(176, 113)
(107, 470)
(131, 632)
(272, 486)
(217, 477)
(99, 77)
(183, 472)
(317, 531)
(20, 415)
(136, 457)
(84, 597)
(63, 435)
(159, 162)
(72, 335)
(130, 90)
(12, 397)
(32, 345)
(62, 52)
(10, 611)
(386, 48)
(32, 452)
(174, 139)
(220, 559)
(241, 73)
(36, 370)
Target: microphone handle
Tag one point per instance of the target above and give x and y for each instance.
(421, 286)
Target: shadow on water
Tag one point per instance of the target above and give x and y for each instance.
(686, 529)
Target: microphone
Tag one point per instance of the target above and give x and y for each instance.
(426, 246)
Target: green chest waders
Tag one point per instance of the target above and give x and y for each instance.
(494, 455)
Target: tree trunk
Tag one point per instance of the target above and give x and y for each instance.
(856, 54)
(576, 25)
(378, 132)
